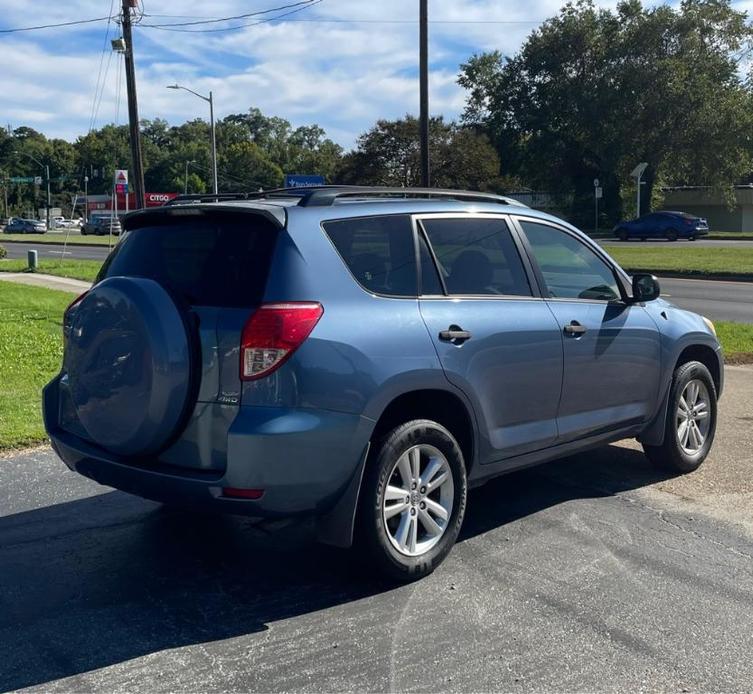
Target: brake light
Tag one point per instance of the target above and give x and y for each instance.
(69, 309)
(273, 333)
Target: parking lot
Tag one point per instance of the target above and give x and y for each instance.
(594, 573)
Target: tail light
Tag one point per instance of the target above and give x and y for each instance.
(69, 310)
(273, 333)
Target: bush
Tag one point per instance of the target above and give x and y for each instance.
(3, 252)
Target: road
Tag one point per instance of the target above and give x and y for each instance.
(588, 574)
(702, 243)
(717, 300)
(49, 250)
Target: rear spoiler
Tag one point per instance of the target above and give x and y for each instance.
(161, 215)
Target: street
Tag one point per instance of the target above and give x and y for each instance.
(587, 574)
(716, 300)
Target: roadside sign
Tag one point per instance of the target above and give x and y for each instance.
(599, 192)
(37, 180)
(596, 182)
(23, 179)
(121, 181)
(302, 181)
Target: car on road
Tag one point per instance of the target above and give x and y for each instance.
(663, 225)
(62, 223)
(102, 226)
(364, 356)
(25, 226)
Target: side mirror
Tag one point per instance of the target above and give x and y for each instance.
(645, 287)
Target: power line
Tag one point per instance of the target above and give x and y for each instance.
(239, 26)
(229, 19)
(55, 26)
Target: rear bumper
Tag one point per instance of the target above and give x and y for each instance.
(303, 460)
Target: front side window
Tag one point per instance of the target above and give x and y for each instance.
(477, 256)
(379, 252)
(571, 269)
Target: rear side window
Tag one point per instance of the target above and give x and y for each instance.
(218, 260)
(477, 256)
(379, 251)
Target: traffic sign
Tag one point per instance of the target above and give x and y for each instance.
(24, 179)
(599, 192)
(596, 182)
(303, 181)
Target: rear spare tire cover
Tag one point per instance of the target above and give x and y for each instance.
(128, 360)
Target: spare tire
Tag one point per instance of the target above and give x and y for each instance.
(129, 361)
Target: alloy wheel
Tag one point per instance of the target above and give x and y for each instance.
(418, 500)
(693, 416)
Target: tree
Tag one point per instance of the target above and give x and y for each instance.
(592, 92)
(389, 155)
(247, 167)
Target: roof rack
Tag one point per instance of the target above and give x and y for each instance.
(325, 196)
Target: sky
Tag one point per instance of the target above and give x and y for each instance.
(339, 63)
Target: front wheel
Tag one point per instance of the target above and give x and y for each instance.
(691, 420)
(413, 500)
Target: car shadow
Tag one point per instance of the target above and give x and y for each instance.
(105, 579)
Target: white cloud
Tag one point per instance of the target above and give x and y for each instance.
(341, 75)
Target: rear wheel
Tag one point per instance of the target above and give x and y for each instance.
(691, 420)
(622, 235)
(413, 500)
(672, 235)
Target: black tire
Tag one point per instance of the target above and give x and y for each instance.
(622, 235)
(372, 538)
(672, 235)
(670, 455)
(692, 238)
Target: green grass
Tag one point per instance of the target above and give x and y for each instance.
(31, 348)
(684, 259)
(737, 341)
(55, 237)
(76, 269)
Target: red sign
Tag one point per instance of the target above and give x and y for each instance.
(150, 200)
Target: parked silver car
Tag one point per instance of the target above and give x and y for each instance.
(25, 226)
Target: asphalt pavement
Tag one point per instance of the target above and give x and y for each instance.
(593, 573)
(702, 243)
(51, 250)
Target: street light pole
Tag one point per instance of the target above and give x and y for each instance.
(86, 199)
(47, 176)
(210, 101)
(214, 143)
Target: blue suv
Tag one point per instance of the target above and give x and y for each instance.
(364, 356)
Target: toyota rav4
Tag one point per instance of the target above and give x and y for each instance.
(364, 356)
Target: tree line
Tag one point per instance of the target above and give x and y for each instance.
(591, 93)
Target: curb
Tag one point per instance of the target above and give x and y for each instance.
(708, 276)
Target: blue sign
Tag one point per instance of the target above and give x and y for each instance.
(302, 181)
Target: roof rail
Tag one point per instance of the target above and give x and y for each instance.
(325, 196)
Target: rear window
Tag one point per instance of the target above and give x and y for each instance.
(379, 251)
(208, 261)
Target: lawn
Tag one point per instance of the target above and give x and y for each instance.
(31, 347)
(683, 259)
(737, 341)
(55, 237)
(77, 269)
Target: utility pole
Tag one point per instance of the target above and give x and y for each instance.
(137, 165)
(47, 176)
(423, 50)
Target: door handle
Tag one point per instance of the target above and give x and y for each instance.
(575, 329)
(454, 334)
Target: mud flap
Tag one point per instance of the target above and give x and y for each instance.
(336, 526)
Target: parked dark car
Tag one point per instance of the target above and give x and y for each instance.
(364, 357)
(663, 225)
(102, 226)
(25, 226)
